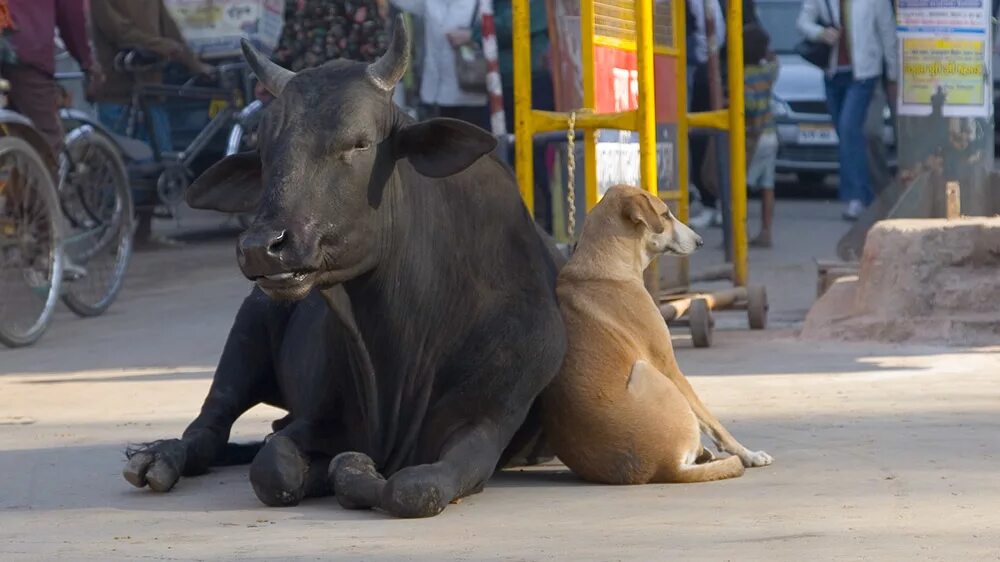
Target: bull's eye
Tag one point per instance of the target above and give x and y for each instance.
(362, 145)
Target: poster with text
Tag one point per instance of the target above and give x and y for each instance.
(944, 49)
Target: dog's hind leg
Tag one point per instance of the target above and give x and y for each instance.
(723, 440)
(682, 459)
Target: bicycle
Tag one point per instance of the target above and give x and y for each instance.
(66, 226)
(173, 170)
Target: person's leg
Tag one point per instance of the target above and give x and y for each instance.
(836, 93)
(853, 151)
(35, 95)
(878, 158)
(161, 127)
(543, 98)
(762, 174)
(699, 144)
(112, 116)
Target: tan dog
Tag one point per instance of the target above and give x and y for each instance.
(621, 411)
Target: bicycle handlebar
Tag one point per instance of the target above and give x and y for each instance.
(138, 60)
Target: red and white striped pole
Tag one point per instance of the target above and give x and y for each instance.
(493, 85)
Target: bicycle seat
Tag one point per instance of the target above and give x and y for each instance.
(137, 60)
(132, 149)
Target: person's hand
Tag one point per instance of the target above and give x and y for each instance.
(94, 79)
(891, 90)
(459, 36)
(176, 50)
(261, 93)
(830, 35)
(205, 69)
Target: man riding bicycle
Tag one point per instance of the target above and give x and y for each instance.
(33, 89)
(146, 25)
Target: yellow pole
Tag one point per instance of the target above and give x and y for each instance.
(589, 101)
(523, 130)
(680, 44)
(646, 121)
(737, 144)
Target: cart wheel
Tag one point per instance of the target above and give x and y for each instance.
(700, 319)
(757, 307)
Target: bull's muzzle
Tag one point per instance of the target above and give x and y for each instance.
(261, 252)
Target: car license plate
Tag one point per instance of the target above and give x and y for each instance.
(817, 134)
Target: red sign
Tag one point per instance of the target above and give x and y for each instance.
(616, 83)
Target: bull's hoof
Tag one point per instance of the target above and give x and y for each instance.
(279, 473)
(157, 465)
(414, 492)
(356, 481)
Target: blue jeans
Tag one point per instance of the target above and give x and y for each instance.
(115, 116)
(848, 101)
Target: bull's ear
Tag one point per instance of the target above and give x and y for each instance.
(442, 147)
(231, 185)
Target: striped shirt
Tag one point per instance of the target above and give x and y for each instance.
(758, 79)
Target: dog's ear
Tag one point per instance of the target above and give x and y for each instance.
(638, 209)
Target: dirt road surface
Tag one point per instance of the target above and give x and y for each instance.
(881, 452)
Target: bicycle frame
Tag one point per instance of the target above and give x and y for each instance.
(139, 107)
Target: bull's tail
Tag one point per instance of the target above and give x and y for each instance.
(238, 453)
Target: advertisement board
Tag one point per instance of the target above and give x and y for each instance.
(944, 48)
(213, 28)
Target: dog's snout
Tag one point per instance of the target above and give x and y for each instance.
(698, 241)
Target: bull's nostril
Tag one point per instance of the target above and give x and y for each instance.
(699, 242)
(276, 242)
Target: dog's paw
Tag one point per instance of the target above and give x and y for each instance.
(756, 458)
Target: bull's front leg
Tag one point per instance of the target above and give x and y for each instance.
(467, 461)
(245, 377)
(293, 464)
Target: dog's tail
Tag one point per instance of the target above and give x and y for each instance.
(729, 467)
(238, 453)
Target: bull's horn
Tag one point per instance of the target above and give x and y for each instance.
(390, 67)
(271, 75)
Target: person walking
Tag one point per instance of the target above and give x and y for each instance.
(699, 99)
(120, 25)
(863, 39)
(447, 24)
(760, 71)
(542, 90)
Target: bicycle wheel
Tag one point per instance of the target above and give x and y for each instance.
(94, 196)
(31, 256)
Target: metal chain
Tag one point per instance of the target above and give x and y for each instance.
(571, 177)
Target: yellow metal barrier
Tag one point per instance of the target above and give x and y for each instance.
(528, 121)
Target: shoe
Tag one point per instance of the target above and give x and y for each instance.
(702, 219)
(717, 218)
(761, 241)
(72, 271)
(853, 210)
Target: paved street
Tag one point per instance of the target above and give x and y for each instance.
(881, 452)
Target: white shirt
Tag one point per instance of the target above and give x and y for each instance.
(439, 84)
(697, 8)
(873, 34)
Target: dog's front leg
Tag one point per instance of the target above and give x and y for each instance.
(710, 425)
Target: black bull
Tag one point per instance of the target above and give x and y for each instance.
(405, 311)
